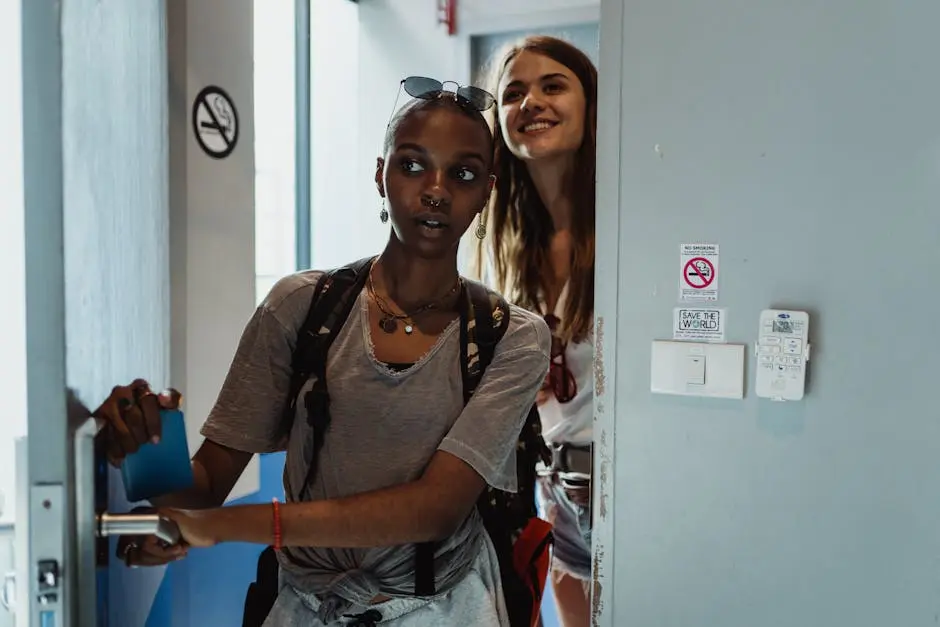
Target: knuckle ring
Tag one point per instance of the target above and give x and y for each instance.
(142, 393)
(126, 554)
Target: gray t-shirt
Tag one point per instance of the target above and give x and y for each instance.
(385, 427)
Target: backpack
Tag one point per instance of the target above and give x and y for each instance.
(521, 539)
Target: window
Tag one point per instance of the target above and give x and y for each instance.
(274, 94)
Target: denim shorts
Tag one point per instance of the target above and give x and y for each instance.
(572, 523)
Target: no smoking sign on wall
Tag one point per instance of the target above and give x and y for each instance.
(698, 273)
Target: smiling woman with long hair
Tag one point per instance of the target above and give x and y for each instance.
(540, 254)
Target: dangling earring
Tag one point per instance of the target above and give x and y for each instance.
(383, 214)
(481, 228)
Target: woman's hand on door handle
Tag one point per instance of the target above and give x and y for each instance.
(148, 550)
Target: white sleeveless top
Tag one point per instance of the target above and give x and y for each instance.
(562, 423)
(572, 422)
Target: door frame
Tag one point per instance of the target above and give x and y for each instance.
(49, 506)
(609, 16)
(607, 306)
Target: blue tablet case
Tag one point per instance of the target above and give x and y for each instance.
(157, 469)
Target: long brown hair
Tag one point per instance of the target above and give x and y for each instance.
(520, 225)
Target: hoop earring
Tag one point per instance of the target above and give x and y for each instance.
(383, 214)
(481, 228)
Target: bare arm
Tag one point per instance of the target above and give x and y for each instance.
(427, 509)
(430, 508)
(216, 468)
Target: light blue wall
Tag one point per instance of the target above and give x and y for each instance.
(804, 139)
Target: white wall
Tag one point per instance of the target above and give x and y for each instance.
(335, 186)
(499, 9)
(274, 92)
(360, 54)
(483, 16)
(212, 218)
(396, 39)
(13, 312)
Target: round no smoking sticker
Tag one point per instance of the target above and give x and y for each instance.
(215, 122)
(698, 267)
(699, 273)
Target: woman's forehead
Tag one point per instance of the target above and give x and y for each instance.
(529, 67)
(444, 128)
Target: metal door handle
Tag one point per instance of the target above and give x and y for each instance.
(8, 592)
(138, 525)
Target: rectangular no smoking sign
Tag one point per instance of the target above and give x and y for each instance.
(698, 273)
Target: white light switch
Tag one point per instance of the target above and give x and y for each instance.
(697, 369)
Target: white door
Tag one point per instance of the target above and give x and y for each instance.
(806, 143)
(96, 274)
(12, 314)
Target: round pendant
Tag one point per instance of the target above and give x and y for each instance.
(389, 325)
(409, 329)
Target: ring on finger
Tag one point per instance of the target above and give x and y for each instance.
(128, 551)
(139, 388)
(142, 391)
(175, 396)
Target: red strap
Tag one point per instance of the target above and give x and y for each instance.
(531, 560)
(277, 525)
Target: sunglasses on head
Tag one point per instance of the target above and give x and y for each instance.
(429, 88)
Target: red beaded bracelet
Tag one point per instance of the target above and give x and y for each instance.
(277, 525)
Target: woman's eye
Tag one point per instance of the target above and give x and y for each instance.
(510, 96)
(465, 174)
(411, 166)
(553, 89)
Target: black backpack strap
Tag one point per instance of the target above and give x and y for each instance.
(262, 592)
(484, 318)
(303, 351)
(333, 299)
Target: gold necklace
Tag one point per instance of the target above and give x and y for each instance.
(389, 320)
